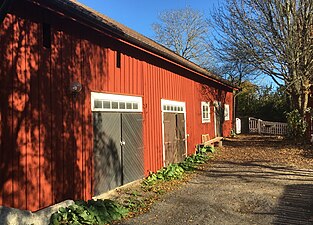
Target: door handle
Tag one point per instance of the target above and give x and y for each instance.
(122, 143)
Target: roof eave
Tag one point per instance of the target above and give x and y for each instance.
(4, 8)
(87, 15)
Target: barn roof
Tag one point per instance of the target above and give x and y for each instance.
(101, 22)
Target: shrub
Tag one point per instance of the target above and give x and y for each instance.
(206, 149)
(296, 125)
(92, 212)
(171, 172)
(176, 171)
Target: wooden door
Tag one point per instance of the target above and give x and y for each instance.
(218, 113)
(174, 137)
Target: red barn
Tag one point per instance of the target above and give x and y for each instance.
(87, 104)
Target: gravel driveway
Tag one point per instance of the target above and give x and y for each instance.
(248, 182)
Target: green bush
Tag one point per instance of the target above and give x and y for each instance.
(206, 149)
(92, 212)
(171, 172)
(176, 171)
(296, 125)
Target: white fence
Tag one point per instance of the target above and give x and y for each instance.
(238, 126)
(267, 127)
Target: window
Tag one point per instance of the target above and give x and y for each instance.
(115, 103)
(205, 112)
(118, 59)
(46, 35)
(226, 112)
(172, 106)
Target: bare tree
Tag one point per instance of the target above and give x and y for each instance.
(274, 37)
(235, 71)
(186, 32)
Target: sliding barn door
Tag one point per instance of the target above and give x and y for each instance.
(132, 147)
(174, 137)
(118, 150)
(107, 151)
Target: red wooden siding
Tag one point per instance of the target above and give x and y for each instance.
(47, 133)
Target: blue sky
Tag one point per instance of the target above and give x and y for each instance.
(140, 14)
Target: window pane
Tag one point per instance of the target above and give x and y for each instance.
(135, 105)
(114, 105)
(98, 104)
(122, 105)
(106, 104)
(128, 105)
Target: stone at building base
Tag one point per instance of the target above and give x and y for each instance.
(12, 216)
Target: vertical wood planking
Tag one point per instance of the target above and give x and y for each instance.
(57, 111)
(87, 129)
(53, 150)
(85, 173)
(145, 119)
(34, 161)
(45, 166)
(6, 166)
(21, 87)
(18, 48)
(77, 121)
(110, 70)
(3, 46)
(28, 134)
(67, 104)
(83, 162)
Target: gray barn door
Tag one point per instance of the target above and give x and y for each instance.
(174, 137)
(107, 151)
(118, 150)
(132, 139)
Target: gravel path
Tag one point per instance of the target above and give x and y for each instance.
(234, 189)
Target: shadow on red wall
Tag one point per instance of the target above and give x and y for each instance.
(46, 131)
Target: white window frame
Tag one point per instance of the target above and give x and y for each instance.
(208, 119)
(173, 106)
(226, 112)
(115, 98)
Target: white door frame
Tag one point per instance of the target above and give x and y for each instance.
(216, 104)
(178, 107)
(214, 121)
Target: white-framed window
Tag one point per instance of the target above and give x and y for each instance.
(173, 106)
(226, 112)
(205, 112)
(115, 103)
